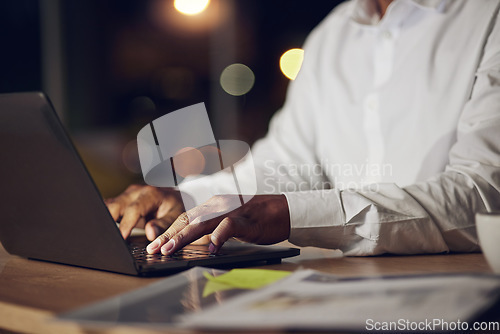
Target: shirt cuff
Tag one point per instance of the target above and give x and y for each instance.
(314, 211)
(314, 208)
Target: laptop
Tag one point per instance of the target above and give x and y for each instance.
(51, 209)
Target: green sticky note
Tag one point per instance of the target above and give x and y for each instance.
(248, 278)
(211, 287)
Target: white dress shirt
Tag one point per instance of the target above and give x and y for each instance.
(389, 139)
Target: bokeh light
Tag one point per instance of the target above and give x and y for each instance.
(164, 16)
(191, 7)
(237, 79)
(130, 157)
(212, 159)
(290, 62)
(189, 161)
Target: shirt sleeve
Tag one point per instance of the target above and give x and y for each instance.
(427, 217)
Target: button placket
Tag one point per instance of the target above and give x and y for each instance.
(372, 123)
(373, 131)
(384, 55)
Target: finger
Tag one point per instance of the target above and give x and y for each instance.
(134, 216)
(181, 222)
(204, 215)
(172, 206)
(114, 210)
(204, 240)
(187, 228)
(157, 226)
(187, 235)
(135, 213)
(228, 228)
(153, 229)
(117, 205)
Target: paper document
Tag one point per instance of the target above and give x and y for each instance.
(313, 300)
(248, 299)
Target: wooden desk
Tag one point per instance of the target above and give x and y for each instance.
(31, 292)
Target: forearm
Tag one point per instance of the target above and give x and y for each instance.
(429, 217)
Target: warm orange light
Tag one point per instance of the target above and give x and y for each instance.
(130, 157)
(167, 17)
(189, 161)
(212, 159)
(290, 62)
(191, 7)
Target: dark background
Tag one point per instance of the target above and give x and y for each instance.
(110, 67)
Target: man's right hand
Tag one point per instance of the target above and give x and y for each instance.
(151, 208)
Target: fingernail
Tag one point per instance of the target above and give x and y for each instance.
(212, 248)
(152, 247)
(165, 250)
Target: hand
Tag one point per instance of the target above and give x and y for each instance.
(151, 208)
(262, 220)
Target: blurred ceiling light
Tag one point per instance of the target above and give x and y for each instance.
(166, 16)
(290, 62)
(237, 79)
(191, 7)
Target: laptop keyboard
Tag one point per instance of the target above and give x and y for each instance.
(140, 254)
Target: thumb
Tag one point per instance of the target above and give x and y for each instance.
(226, 229)
(155, 227)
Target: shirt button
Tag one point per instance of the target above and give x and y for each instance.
(371, 103)
(386, 34)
